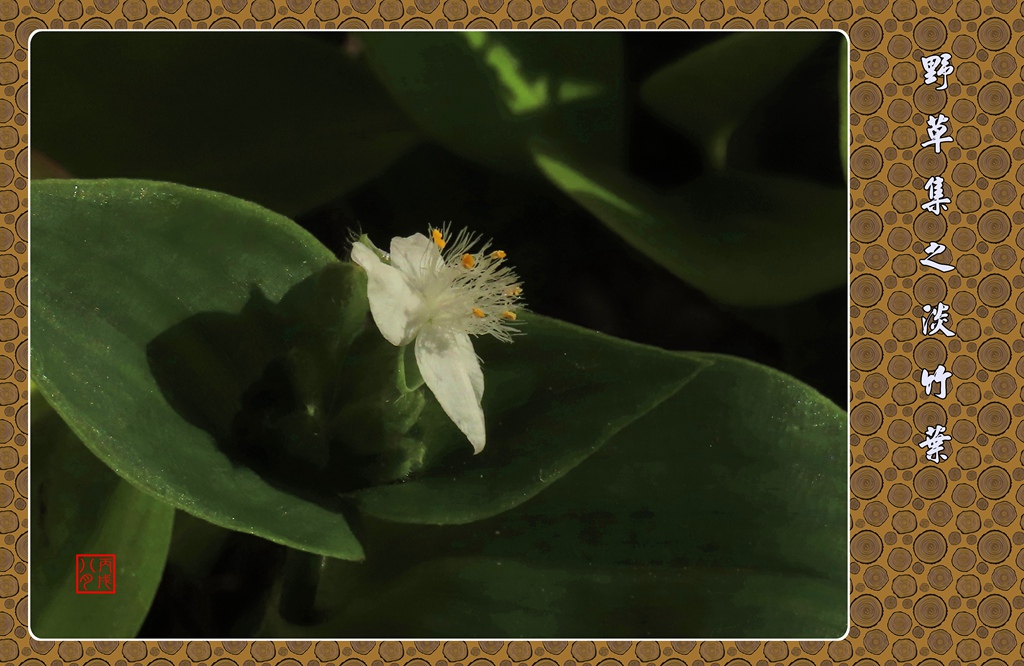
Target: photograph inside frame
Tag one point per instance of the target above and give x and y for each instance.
(427, 335)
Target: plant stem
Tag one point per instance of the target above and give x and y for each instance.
(298, 591)
(409, 377)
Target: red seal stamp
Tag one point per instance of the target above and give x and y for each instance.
(95, 574)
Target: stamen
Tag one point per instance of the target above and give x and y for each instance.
(438, 238)
(478, 312)
(468, 261)
(508, 314)
(513, 291)
(498, 254)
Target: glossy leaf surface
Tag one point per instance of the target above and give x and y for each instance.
(485, 95)
(156, 307)
(743, 239)
(552, 398)
(720, 513)
(79, 506)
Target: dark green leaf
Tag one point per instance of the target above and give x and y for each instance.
(553, 398)
(279, 119)
(707, 94)
(485, 95)
(743, 239)
(156, 310)
(738, 456)
(79, 506)
(486, 597)
(720, 513)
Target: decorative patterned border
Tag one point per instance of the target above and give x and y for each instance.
(937, 562)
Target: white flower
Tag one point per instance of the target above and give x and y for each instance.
(439, 293)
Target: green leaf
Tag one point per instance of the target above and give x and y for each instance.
(720, 513)
(485, 95)
(740, 455)
(138, 289)
(487, 597)
(743, 239)
(79, 506)
(282, 120)
(707, 94)
(553, 397)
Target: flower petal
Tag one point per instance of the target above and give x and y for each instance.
(417, 256)
(396, 306)
(451, 370)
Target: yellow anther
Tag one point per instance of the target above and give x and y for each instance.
(513, 291)
(438, 238)
(498, 254)
(508, 314)
(468, 261)
(478, 312)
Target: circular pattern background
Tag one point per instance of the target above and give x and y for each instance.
(936, 558)
(947, 563)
